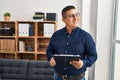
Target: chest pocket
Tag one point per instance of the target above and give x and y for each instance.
(59, 46)
(78, 46)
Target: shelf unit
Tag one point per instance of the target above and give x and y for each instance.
(19, 46)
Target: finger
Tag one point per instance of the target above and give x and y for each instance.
(52, 62)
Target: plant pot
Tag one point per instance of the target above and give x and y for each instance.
(7, 18)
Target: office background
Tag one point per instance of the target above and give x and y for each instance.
(96, 18)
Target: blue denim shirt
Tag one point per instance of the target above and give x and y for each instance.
(79, 42)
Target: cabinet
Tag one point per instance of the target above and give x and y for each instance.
(25, 39)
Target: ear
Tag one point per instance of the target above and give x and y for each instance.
(63, 19)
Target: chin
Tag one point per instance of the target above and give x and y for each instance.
(75, 26)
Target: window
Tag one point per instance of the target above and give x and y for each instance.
(116, 43)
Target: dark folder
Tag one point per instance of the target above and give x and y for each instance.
(65, 59)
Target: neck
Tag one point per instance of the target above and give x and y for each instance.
(69, 29)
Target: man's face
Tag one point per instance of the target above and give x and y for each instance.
(71, 18)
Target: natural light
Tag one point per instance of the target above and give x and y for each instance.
(117, 63)
(118, 23)
(117, 46)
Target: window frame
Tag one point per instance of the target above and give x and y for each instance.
(114, 40)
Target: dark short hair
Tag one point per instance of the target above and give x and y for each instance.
(66, 9)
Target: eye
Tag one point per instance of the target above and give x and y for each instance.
(72, 15)
(77, 14)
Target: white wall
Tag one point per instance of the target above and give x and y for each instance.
(99, 27)
(24, 9)
(98, 21)
(117, 63)
(85, 24)
(104, 26)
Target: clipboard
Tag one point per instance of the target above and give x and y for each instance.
(64, 59)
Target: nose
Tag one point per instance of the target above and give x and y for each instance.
(75, 16)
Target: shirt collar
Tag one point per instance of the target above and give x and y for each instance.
(73, 31)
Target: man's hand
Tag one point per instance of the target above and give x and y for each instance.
(52, 62)
(77, 64)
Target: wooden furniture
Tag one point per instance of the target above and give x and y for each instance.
(15, 45)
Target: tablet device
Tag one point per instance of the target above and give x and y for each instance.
(64, 59)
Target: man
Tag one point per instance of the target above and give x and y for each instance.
(71, 40)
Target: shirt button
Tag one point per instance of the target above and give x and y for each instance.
(68, 35)
(65, 68)
(66, 51)
(67, 43)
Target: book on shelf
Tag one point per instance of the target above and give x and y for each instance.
(31, 30)
(51, 17)
(64, 59)
(21, 46)
(48, 29)
(12, 43)
(25, 29)
(39, 16)
(7, 45)
(1, 44)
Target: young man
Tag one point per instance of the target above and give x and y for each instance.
(71, 40)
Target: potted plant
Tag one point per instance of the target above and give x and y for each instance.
(7, 16)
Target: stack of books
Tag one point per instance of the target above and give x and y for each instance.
(39, 16)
